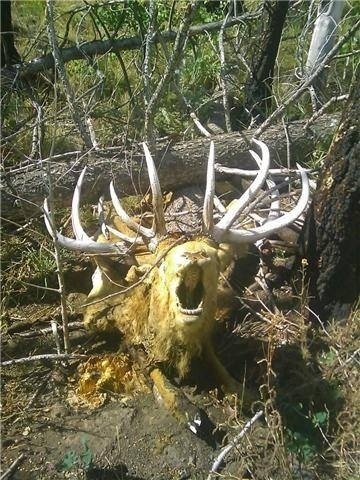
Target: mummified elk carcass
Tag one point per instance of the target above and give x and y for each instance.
(167, 299)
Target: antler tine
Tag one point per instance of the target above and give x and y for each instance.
(236, 208)
(157, 201)
(274, 210)
(134, 226)
(85, 246)
(208, 209)
(105, 229)
(257, 233)
(79, 232)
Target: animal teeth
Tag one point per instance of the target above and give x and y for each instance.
(191, 311)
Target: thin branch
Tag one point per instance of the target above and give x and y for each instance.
(174, 60)
(199, 125)
(223, 80)
(70, 97)
(318, 113)
(306, 83)
(345, 55)
(59, 272)
(37, 131)
(45, 331)
(220, 458)
(146, 68)
(12, 469)
(46, 356)
(102, 47)
(57, 256)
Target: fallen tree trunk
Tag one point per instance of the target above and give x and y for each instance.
(24, 189)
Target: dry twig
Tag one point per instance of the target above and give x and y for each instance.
(306, 83)
(220, 458)
(46, 356)
(11, 470)
(59, 62)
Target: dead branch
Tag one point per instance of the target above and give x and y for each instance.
(223, 74)
(172, 64)
(306, 83)
(74, 108)
(11, 470)
(220, 458)
(46, 356)
(320, 111)
(45, 331)
(113, 45)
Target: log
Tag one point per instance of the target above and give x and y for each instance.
(23, 190)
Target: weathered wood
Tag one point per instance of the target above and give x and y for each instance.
(334, 258)
(178, 165)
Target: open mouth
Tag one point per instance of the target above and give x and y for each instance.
(190, 296)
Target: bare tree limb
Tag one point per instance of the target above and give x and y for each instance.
(318, 113)
(306, 83)
(12, 469)
(102, 47)
(70, 97)
(174, 60)
(223, 75)
(46, 356)
(220, 458)
(146, 67)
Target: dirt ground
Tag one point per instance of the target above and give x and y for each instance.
(68, 422)
(104, 435)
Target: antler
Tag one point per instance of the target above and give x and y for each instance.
(151, 236)
(222, 231)
(86, 244)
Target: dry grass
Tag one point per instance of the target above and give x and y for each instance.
(309, 388)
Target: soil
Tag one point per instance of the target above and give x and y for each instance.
(126, 435)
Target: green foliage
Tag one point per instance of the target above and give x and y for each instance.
(302, 438)
(301, 445)
(41, 261)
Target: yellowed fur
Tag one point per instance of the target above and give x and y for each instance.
(148, 311)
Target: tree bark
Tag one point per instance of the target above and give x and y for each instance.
(333, 256)
(9, 54)
(258, 88)
(178, 165)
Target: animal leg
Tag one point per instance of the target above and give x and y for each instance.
(172, 398)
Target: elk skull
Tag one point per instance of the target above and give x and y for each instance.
(168, 302)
